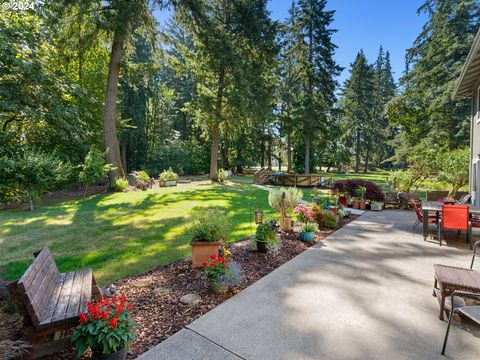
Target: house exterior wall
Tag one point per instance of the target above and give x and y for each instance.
(475, 147)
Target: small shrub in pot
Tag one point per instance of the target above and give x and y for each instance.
(265, 238)
(222, 274)
(209, 229)
(168, 178)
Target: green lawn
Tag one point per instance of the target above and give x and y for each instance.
(120, 234)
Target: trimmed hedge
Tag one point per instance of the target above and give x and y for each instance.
(374, 192)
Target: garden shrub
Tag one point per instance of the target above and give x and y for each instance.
(119, 185)
(209, 224)
(293, 196)
(168, 175)
(324, 218)
(143, 175)
(267, 232)
(93, 169)
(222, 175)
(373, 191)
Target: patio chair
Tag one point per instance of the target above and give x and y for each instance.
(455, 217)
(432, 219)
(471, 312)
(465, 199)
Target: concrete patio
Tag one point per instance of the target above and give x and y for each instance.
(365, 292)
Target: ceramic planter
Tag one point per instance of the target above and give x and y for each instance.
(262, 247)
(286, 223)
(306, 236)
(119, 355)
(167, 183)
(202, 251)
(342, 200)
(376, 207)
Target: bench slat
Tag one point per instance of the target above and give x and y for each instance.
(76, 294)
(51, 305)
(32, 270)
(62, 303)
(86, 292)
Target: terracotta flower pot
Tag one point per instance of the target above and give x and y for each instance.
(202, 251)
(286, 223)
(362, 205)
(356, 204)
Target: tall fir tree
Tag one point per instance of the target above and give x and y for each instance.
(315, 69)
(357, 105)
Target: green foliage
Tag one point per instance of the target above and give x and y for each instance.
(30, 174)
(454, 168)
(325, 218)
(309, 227)
(222, 175)
(119, 185)
(285, 200)
(94, 168)
(209, 224)
(143, 175)
(360, 192)
(168, 175)
(106, 327)
(267, 232)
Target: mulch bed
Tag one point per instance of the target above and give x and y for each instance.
(156, 294)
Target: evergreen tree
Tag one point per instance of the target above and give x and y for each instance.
(357, 105)
(315, 69)
(424, 109)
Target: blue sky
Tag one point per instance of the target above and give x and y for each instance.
(366, 24)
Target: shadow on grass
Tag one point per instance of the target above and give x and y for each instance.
(120, 234)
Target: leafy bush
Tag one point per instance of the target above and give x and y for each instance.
(93, 169)
(119, 185)
(304, 213)
(325, 218)
(143, 175)
(30, 174)
(209, 224)
(267, 232)
(360, 192)
(285, 200)
(222, 175)
(455, 167)
(168, 175)
(373, 191)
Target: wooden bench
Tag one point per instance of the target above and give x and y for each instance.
(51, 302)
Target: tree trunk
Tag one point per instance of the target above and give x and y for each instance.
(30, 202)
(262, 153)
(85, 191)
(280, 162)
(289, 153)
(216, 127)
(214, 153)
(110, 128)
(367, 155)
(357, 151)
(307, 154)
(269, 154)
(123, 150)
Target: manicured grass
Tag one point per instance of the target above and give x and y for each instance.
(121, 234)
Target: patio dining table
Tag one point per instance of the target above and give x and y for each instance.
(429, 207)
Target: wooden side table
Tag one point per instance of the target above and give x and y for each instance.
(449, 279)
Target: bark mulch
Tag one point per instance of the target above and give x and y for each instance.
(156, 294)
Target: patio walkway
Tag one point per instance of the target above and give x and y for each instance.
(363, 293)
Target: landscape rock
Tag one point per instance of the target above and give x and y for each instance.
(160, 290)
(141, 283)
(110, 290)
(190, 299)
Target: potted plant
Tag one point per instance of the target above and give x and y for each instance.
(325, 218)
(265, 238)
(360, 192)
(209, 229)
(106, 328)
(342, 212)
(168, 178)
(307, 231)
(376, 206)
(284, 201)
(222, 274)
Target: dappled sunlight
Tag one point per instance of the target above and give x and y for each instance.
(121, 234)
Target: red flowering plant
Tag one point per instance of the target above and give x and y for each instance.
(106, 327)
(222, 273)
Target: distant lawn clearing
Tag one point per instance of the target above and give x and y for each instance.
(120, 234)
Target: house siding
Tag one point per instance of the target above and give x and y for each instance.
(475, 148)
